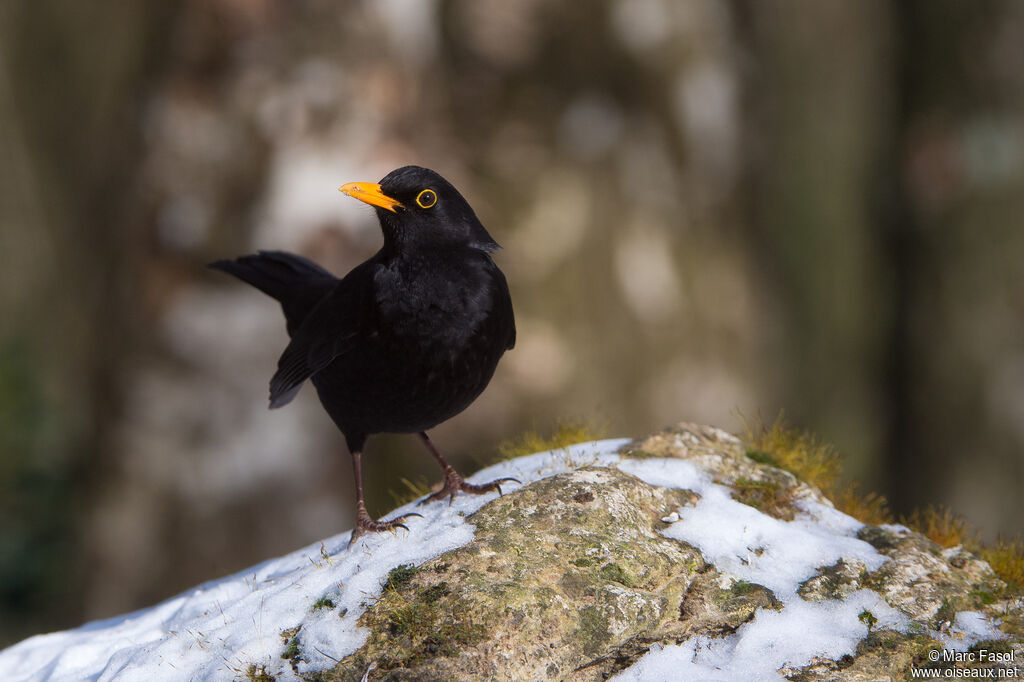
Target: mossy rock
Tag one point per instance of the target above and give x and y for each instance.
(570, 578)
(567, 577)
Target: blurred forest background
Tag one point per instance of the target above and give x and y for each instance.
(708, 209)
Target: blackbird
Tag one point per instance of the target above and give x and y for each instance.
(404, 341)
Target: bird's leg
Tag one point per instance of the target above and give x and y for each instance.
(365, 524)
(453, 482)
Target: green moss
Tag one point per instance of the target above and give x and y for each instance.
(435, 592)
(406, 620)
(815, 462)
(798, 452)
(399, 578)
(940, 525)
(290, 637)
(499, 542)
(323, 603)
(945, 614)
(592, 633)
(868, 619)
(432, 627)
(870, 508)
(1007, 559)
(766, 496)
(582, 561)
(884, 641)
(420, 620)
(567, 432)
(743, 599)
(899, 650)
(983, 597)
(615, 573)
(1012, 623)
(998, 646)
(834, 581)
(258, 673)
(544, 598)
(879, 538)
(762, 457)
(411, 490)
(741, 587)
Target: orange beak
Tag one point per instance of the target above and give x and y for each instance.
(371, 193)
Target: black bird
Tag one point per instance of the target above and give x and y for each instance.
(407, 339)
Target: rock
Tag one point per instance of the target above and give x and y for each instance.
(575, 577)
(568, 576)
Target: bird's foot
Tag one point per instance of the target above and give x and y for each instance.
(453, 483)
(365, 524)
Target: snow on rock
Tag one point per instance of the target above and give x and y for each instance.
(217, 630)
(607, 547)
(780, 555)
(746, 543)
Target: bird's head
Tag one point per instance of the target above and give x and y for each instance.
(417, 207)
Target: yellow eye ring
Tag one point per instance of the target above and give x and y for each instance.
(426, 198)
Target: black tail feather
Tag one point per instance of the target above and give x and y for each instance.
(296, 282)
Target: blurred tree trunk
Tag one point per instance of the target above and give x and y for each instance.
(70, 77)
(886, 175)
(820, 78)
(953, 232)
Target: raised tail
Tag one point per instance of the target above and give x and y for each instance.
(297, 283)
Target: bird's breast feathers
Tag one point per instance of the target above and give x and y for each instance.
(421, 303)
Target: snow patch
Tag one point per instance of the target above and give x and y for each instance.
(217, 630)
(792, 637)
(968, 628)
(748, 545)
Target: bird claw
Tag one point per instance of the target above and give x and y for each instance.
(487, 487)
(364, 524)
(454, 483)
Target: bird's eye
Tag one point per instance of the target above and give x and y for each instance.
(426, 198)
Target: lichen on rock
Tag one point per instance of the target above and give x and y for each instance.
(578, 576)
(564, 576)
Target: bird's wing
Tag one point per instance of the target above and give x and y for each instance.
(292, 371)
(502, 313)
(328, 331)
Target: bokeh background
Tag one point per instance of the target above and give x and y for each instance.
(709, 209)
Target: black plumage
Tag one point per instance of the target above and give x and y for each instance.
(407, 339)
